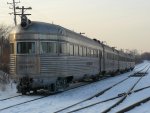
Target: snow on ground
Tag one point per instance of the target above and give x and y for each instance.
(61, 100)
(8, 90)
(144, 108)
(15, 100)
(99, 108)
(144, 82)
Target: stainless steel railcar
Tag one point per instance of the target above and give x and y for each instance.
(48, 56)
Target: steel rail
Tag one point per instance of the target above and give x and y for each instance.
(10, 97)
(128, 108)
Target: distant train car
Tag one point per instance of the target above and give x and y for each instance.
(130, 62)
(48, 56)
(110, 60)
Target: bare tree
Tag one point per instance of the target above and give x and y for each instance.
(4, 31)
(145, 56)
(137, 56)
(4, 47)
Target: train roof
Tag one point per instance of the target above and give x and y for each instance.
(52, 29)
(40, 27)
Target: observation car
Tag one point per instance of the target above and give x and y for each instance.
(48, 56)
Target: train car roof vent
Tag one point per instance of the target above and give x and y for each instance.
(97, 40)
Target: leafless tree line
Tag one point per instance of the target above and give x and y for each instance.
(140, 57)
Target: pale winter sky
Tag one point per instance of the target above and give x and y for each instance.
(121, 23)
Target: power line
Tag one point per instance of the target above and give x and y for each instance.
(14, 10)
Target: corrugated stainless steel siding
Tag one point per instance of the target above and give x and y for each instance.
(68, 66)
(12, 64)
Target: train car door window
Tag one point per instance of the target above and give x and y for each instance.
(25, 47)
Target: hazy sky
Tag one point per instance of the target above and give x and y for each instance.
(121, 23)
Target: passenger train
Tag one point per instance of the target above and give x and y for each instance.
(48, 56)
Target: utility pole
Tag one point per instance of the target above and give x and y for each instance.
(14, 10)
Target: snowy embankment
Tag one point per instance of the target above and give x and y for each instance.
(56, 102)
(7, 87)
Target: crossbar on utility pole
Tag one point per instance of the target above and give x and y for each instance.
(23, 10)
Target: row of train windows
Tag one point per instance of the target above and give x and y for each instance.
(112, 56)
(76, 50)
(116, 57)
(53, 47)
(45, 48)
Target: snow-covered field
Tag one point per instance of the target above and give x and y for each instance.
(56, 102)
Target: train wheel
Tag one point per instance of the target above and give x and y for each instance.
(53, 88)
(24, 92)
(96, 78)
(65, 83)
(35, 91)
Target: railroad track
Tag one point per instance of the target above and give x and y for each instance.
(126, 94)
(38, 98)
(10, 97)
(130, 107)
(96, 95)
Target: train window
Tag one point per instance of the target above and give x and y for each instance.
(25, 47)
(71, 49)
(95, 52)
(76, 50)
(108, 56)
(80, 50)
(11, 48)
(63, 48)
(92, 53)
(84, 51)
(115, 57)
(88, 52)
(48, 47)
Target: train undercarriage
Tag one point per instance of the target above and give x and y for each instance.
(27, 84)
